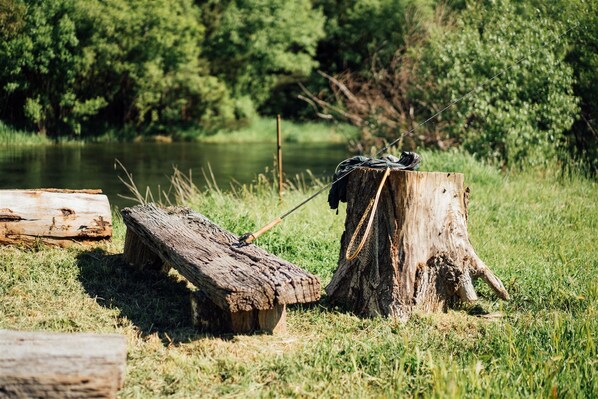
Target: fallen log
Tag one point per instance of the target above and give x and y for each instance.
(55, 217)
(241, 284)
(55, 365)
(417, 254)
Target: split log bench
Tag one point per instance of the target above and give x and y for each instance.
(54, 216)
(58, 365)
(241, 288)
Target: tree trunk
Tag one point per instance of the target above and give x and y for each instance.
(56, 217)
(417, 254)
(52, 365)
(235, 279)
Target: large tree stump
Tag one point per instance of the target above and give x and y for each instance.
(417, 255)
(243, 288)
(56, 217)
(54, 365)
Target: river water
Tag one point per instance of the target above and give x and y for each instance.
(92, 166)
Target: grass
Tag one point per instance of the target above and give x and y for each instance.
(263, 130)
(535, 230)
(9, 135)
(259, 130)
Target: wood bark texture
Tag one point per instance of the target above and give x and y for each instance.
(54, 217)
(236, 278)
(417, 255)
(53, 365)
(206, 316)
(140, 256)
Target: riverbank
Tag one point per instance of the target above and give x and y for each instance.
(535, 230)
(259, 130)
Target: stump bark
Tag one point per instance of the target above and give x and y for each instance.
(417, 254)
(55, 365)
(55, 217)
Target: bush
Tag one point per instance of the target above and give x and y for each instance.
(518, 117)
(259, 45)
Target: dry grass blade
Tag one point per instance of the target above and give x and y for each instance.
(129, 184)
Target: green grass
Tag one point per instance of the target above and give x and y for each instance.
(9, 135)
(263, 130)
(259, 130)
(536, 231)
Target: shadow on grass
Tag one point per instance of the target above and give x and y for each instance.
(154, 303)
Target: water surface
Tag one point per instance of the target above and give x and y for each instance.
(93, 165)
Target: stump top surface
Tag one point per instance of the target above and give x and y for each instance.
(411, 172)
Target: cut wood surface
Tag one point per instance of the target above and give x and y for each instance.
(54, 216)
(417, 255)
(236, 278)
(56, 365)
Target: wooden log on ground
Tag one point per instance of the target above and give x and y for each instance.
(55, 365)
(417, 255)
(233, 278)
(56, 217)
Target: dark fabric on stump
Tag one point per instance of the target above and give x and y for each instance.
(338, 190)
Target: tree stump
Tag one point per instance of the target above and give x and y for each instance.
(417, 254)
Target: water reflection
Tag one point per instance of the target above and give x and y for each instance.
(93, 165)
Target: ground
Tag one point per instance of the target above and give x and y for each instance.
(536, 230)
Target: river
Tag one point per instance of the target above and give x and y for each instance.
(93, 166)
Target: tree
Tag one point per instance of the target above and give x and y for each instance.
(518, 116)
(66, 62)
(256, 46)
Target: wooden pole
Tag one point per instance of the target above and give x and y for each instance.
(279, 157)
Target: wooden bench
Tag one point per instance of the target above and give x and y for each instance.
(241, 288)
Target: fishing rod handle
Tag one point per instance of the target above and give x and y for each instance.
(264, 229)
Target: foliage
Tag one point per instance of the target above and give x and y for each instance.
(538, 235)
(581, 17)
(359, 30)
(263, 130)
(39, 63)
(148, 55)
(521, 114)
(256, 46)
(12, 136)
(134, 61)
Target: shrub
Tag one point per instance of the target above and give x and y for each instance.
(520, 116)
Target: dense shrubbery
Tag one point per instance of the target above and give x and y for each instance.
(521, 114)
(76, 67)
(528, 115)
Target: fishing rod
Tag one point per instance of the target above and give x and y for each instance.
(249, 237)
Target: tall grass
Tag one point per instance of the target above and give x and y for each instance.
(12, 136)
(536, 231)
(263, 130)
